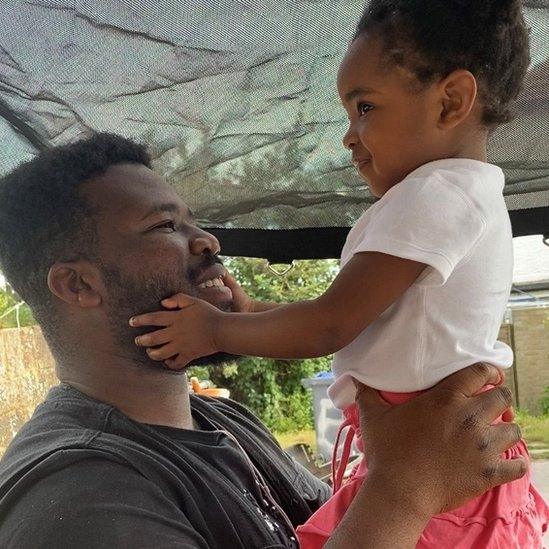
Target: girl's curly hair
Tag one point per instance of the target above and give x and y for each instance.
(432, 38)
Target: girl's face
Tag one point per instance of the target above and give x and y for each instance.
(393, 127)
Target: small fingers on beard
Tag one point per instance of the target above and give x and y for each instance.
(162, 353)
(152, 339)
(176, 363)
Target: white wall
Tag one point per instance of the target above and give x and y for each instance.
(531, 260)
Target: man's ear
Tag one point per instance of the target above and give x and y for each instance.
(458, 92)
(76, 283)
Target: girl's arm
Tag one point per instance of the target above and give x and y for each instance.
(365, 287)
(262, 306)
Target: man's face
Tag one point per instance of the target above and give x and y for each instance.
(149, 249)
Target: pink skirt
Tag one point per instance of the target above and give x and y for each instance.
(513, 515)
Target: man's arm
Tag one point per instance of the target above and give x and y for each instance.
(379, 518)
(408, 485)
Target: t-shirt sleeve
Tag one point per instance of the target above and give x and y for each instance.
(431, 221)
(96, 503)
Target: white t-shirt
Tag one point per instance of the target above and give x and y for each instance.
(449, 214)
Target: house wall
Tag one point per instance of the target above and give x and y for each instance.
(531, 335)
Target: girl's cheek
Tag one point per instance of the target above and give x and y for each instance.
(368, 133)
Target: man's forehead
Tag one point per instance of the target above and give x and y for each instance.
(131, 190)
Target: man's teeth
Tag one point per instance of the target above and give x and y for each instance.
(212, 282)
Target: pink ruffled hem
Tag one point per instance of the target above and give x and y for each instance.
(523, 529)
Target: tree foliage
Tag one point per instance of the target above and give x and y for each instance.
(12, 315)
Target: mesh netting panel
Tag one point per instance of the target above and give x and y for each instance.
(237, 100)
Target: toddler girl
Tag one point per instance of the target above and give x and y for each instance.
(426, 271)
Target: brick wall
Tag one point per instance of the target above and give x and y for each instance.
(506, 335)
(26, 374)
(531, 335)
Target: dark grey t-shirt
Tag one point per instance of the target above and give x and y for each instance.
(82, 474)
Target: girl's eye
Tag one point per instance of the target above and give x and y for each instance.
(167, 225)
(364, 108)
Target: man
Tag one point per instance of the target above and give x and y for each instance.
(120, 455)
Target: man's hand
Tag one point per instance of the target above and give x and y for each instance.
(441, 448)
(188, 333)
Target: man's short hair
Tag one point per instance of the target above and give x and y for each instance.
(44, 218)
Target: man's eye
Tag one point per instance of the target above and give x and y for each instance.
(364, 108)
(167, 225)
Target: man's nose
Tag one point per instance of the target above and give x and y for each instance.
(203, 242)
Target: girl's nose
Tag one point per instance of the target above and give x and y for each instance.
(349, 139)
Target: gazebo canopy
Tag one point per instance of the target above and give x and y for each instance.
(237, 100)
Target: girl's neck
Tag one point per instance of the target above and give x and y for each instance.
(472, 146)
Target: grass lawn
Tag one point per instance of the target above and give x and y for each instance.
(289, 439)
(535, 430)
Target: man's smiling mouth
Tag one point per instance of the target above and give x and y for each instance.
(217, 282)
(210, 285)
(214, 291)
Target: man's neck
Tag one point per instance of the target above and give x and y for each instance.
(146, 396)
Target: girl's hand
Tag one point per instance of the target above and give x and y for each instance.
(188, 333)
(242, 303)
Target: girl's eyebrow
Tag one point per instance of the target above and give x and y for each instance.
(349, 96)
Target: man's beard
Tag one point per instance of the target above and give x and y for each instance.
(132, 295)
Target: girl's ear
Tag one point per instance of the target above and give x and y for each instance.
(76, 283)
(458, 92)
